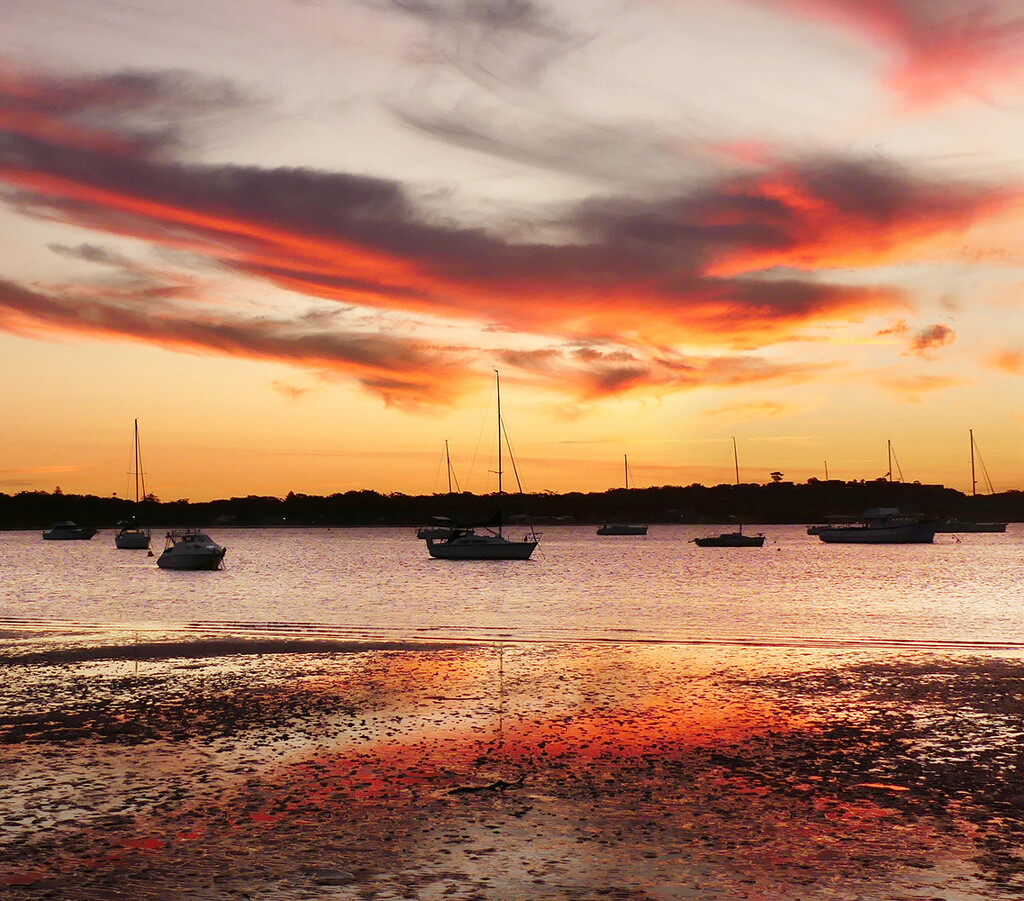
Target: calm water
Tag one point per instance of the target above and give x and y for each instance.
(960, 591)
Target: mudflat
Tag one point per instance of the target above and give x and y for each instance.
(284, 769)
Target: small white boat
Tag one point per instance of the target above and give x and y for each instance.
(66, 530)
(130, 537)
(190, 549)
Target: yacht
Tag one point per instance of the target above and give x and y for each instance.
(880, 525)
(66, 530)
(465, 543)
(622, 528)
(737, 538)
(730, 539)
(468, 544)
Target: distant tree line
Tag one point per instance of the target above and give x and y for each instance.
(776, 502)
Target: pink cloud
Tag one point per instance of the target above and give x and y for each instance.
(942, 50)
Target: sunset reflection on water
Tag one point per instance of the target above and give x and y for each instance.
(511, 770)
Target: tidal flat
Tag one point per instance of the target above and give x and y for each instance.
(207, 769)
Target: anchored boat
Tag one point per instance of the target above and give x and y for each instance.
(190, 549)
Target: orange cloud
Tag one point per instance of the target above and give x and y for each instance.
(401, 371)
(360, 240)
(843, 214)
(1011, 361)
(914, 388)
(638, 275)
(593, 373)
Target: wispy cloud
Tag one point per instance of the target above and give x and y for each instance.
(914, 388)
(1007, 360)
(129, 113)
(734, 263)
(401, 371)
(942, 50)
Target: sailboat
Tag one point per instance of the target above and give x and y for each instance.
(960, 525)
(443, 529)
(465, 543)
(129, 536)
(620, 528)
(731, 539)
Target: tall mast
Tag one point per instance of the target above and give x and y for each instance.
(974, 480)
(497, 383)
(625, 467)
(736, 460)
(136, 461)
(889, 446)
(448, 463)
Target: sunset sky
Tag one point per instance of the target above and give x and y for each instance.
(295, 238)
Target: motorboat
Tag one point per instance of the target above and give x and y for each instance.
(190, 549)
(880, 525)
(66, 530)
(129, 535)
(622, 528)
(468, 544)
(730, 539)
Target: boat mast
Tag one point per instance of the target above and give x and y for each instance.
(497, 385)
(974, 480)
(889, 447)
(139, 474)
(736, 460)
(448, 463)
(625, 466)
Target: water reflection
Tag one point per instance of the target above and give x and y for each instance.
(380, 583)
(516, 770)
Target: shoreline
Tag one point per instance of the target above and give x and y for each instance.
(481, 771)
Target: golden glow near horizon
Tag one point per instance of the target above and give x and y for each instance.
(294, 241)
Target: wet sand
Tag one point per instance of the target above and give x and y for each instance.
(288, 770)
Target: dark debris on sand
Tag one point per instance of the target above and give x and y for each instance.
(380, 773)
